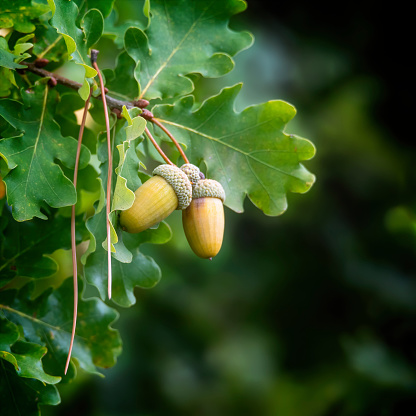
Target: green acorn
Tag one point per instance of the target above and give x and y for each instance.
(203, 220)
(157, 198)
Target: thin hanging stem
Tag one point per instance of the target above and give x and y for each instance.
(160, 125)
(94, 54)
(73, 239)
(157, 147)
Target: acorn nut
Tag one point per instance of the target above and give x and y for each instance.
(203, 220)
(157, 198)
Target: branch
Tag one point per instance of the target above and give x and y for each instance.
(113, 103)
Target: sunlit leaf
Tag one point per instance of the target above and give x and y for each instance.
(184, 37)
(248, 152)
(31, 154)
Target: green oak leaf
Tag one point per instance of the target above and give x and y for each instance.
(120, 81)
(23, 396)
(47, 321)
(9, 62)
(9, 59)
(18, 14)
(26, 357)
(184, 37)
(49, 44)
(24, 246)
(93, 26)
(142, 271)
(31, 154)
(65, 116)
(248, 152)
(104, 6)
(78, 41)
(116, 31)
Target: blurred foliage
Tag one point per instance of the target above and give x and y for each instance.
(311, 313)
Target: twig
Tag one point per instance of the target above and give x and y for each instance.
(94, 54)
(112, 103)
(73, 238)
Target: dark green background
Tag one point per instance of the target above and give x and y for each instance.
(311, 313)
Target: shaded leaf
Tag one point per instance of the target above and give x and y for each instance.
(142, 271)
(104, 6)
(18, 14)
(47, 321)
(24, 246)
(93, 25)
(184, 37)
(116, 31)
(31, 154)
(10, 59)
(248, 152)
(120, 81)
(49, 44)
(23, 396)
(25, 356)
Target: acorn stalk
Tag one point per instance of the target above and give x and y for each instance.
(203, 220)
(157, 198)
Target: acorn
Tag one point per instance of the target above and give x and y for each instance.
(203, 220)
(157, 198)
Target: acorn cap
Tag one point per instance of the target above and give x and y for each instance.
(208, 188)
(178, 180)
(192, 172)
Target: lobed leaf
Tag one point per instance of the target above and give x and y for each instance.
(78, 41)
(31, 152)
(184, 37)
(24, 246)
(116, 31)
(248, 152)
(19, 14)
(23, 396)
(24, 356)
(46, 321)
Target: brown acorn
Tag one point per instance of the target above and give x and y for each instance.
(157, 198)
(203, 220)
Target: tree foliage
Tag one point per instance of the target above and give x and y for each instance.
(158, 58)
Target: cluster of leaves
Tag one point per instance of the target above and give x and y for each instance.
(159, 55)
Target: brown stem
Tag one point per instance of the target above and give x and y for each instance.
(112, 103)
(73, 239)
(110, 168)
(157, 147)
(160, 125)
